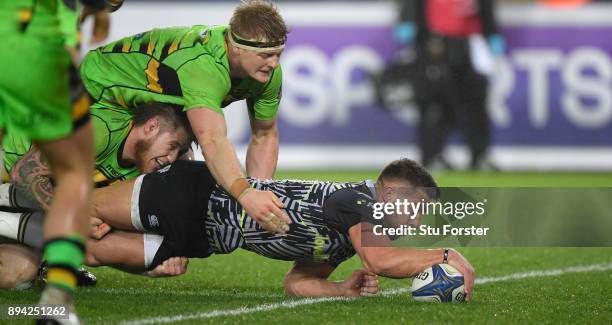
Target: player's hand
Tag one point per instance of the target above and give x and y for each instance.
(99, 228)
(362, 283)
(171, 267)
(456, 260)
(265, 208)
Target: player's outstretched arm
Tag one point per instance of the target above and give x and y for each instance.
(262, 154)
(211, 131)
(400, 262)
(310, 280)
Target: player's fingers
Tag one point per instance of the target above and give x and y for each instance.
(174, 265)
(367, 293)
(275, 224)
(281, 226)
(371, 288)
(371, 282)
(97, 232)
(277, 201)
(468, 282)
(278, 213)
(104, 229)
(95, 221)
(178, 266)
(268, 221)
(285, 217)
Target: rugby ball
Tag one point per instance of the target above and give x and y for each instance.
(439, 283)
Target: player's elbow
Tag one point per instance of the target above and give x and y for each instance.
(376, 263)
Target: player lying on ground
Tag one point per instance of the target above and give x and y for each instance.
(184, 212)
(125, 146)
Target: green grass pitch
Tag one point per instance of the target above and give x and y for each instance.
(246, 288)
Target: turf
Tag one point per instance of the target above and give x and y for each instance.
(243, 279)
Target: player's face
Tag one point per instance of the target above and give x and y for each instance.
(259, 65)
(159, 151)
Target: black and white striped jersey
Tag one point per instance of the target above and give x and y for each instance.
(321, 212)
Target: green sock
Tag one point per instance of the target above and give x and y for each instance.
(64, 256)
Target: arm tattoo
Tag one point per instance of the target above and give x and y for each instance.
(32, 177)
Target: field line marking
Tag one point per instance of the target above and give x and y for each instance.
(390, 292)
(203, 293)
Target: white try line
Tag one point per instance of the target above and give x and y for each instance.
(192, 293)
(391, 292)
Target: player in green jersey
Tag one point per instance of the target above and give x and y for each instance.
(204, 68)
(35, 102)
(126, 145)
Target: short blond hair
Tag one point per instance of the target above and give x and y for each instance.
(258, 20)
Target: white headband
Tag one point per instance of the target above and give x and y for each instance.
(254, 45)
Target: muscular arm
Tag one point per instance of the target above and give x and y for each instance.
(310, 280)
(211, 132)
(262, 154)
(378, 256)
(31, 176)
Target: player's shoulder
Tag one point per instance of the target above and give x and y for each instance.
(350, 193)
(203, 51)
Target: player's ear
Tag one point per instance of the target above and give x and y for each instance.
(152, 126)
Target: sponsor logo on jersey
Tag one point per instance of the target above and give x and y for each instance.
(153, 222)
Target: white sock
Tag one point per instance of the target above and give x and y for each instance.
(5, 194)
(9, 224)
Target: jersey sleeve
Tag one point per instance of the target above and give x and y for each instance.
(103, 133)
(204, 83)
(68, 14)
(348, 207)
(266, 105)
(15, 146)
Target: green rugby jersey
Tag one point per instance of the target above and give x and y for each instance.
(111, 128)
(186, 66)
(39, 18)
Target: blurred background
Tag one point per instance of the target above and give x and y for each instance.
(549, 95)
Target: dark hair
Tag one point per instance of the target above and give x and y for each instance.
(411, 171)
(172, 117)
(260, 20)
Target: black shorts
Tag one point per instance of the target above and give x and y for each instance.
(172, 202)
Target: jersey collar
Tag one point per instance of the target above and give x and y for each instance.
(372, 187)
